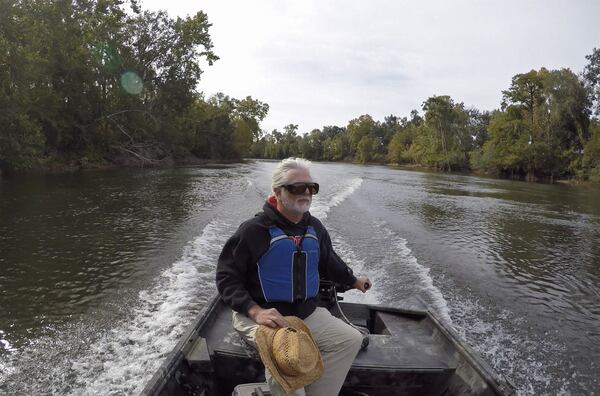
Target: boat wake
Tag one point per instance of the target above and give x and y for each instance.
(125, 358)
(510, 353)
(413, 273)
(322, 204)
(390, 264)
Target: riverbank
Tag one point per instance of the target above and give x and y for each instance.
(147, 158)
(567, 181)
(158, 159)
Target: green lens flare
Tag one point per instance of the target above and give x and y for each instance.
(132, 83)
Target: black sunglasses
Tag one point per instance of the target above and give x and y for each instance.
(300, 188)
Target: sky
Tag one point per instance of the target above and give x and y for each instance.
(325, 62)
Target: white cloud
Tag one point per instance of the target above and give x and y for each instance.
(319, 63)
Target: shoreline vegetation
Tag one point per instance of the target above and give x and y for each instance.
(105, 84)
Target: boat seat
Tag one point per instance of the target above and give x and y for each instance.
(404, 343)
(198, 357)
(232, 359)
(223, 339)
(406, 355)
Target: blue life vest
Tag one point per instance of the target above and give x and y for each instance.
(289, 270)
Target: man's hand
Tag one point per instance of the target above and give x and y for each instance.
(269, 317)
(362, 283)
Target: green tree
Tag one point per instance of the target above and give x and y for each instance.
(398, 149)
(359, 128)
(365, 149)
(591, 157)
(85, 79)
(443, 139)
(542, 129)
(591, 74)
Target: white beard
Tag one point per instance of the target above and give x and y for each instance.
(295, 206)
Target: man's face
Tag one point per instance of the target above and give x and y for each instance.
(296, 203)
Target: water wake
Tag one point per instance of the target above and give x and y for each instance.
(511, 354)
(321, 206)
(125, 358)
(413, 273)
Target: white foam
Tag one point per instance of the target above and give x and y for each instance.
(423, 281)
(5, 344)
(321, 206)
(358, 265)
(509, 353)
(125, 358)
(393, 256)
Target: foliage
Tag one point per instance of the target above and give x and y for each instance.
(591, 74)
(542, 128)
(591, 157)
(92, 79)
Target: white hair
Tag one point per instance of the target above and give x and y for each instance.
(280, 174)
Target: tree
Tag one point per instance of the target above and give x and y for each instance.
(591, 74)
(543, 128)
(442, 140)
(504, 152)
(311, 146)
(359, 128)
(365, 149)
(591, 157)
(398, 149)
(86, 79)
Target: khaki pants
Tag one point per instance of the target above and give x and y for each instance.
(338, 342)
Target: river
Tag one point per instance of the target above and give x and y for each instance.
(101, 272)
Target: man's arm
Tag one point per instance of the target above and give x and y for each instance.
(232, 270)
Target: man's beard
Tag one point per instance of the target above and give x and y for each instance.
(296, 207)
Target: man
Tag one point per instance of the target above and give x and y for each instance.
(270, 268)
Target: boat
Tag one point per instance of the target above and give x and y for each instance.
(410, 351)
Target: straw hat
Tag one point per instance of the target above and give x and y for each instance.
(290, 354)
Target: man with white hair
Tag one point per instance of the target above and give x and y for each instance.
(270, 268)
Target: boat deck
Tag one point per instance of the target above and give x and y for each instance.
(403, 350)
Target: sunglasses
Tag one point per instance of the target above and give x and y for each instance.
(300, 188)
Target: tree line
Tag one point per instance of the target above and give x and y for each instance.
(547, 127)
(100, 81)
(92, 81)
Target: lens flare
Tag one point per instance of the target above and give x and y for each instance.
(131, 82)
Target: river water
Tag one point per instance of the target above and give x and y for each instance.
(101, 272)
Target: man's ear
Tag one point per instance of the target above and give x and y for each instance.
(277, 191)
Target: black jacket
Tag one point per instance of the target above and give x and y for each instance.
(237, 270)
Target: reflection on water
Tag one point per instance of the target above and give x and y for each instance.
(71, 242)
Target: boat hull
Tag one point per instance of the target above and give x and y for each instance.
(410, 352)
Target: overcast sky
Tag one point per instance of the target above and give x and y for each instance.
(325, 62)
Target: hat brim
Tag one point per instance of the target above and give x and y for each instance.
(264, 341)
